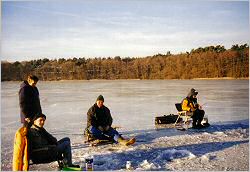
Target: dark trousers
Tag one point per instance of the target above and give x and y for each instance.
(198, 117)
(64, 148)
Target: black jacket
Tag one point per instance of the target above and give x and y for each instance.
(29, 100)
(99, 116)
(42, 145)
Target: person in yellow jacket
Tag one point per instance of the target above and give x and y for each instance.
(20, 153)
(191, 105)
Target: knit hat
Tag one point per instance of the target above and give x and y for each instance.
(100, 97)
(194, 92)
(38, 115)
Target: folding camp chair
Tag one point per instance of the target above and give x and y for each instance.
(182, 114)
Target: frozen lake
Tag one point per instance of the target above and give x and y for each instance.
(133, 104)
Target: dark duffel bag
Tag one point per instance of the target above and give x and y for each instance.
(167, 119)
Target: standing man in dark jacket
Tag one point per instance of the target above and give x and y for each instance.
(45, 148)
(99, 123)
(29, 100)
(191, 105)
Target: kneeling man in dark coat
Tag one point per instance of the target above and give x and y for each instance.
(99, 121)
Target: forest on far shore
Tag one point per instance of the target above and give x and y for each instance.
(207, 62)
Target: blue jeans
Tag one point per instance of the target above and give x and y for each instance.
(64, 148)
(111, 134)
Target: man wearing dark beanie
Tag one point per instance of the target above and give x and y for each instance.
(99, 121)
(100, 97)
(45, 148)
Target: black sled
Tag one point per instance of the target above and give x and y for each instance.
(167, 119)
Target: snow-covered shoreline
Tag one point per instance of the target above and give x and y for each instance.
(218, 148)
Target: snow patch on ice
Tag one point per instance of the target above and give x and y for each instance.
(204, 158)
(220, 133)
(169, 155)
(145, 165)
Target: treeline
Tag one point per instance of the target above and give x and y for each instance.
(207, 62)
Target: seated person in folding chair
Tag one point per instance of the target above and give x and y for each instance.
(99, 121)
(44, 148)
(191, 105)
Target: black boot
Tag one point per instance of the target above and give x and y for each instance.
(194, 127)
(199, 126)
(61, 165)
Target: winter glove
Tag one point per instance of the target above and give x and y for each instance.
(106, 128)
(100, 128)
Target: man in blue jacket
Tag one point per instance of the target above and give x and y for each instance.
(29, 100)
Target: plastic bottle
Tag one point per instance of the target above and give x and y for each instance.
(128, 165)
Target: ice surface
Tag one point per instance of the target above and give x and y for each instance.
(133, 105)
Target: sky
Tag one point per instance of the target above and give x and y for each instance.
(126, 28)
